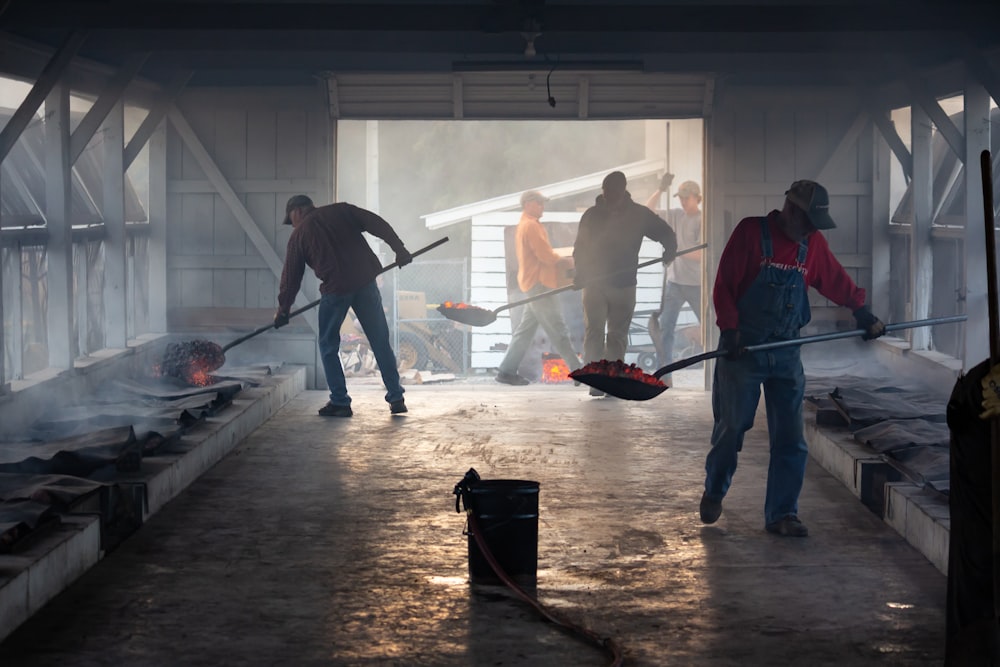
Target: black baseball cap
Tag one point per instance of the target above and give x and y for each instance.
(812, 198)
(294, 202)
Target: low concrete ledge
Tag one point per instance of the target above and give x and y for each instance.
(29, 579)
(56, 557)
(207, 443)
(922, 518)
(919, 516)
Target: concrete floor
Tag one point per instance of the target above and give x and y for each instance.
(336, 542)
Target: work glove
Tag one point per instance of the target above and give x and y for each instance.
(403, 257)
(729, 341)
(873, 326)
(991, 394)
(280, 319)
(666, 181)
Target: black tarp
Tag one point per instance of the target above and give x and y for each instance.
(903, 421)
(95, 447)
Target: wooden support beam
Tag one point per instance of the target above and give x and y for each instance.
(977, 137)
(880, 242)
(156, 247)
(155, 115)
(15, 310)
(111, 94)
(952, 135)
(847, 142)
(880, 116)
(48, 78)
(62, 344)
(921, 250)
(115, 264)
(231, 199)
(983, 72)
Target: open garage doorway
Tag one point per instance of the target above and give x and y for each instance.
(463, 179)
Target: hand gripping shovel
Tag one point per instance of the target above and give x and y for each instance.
(480, 317)
(632, 384)
(183, 360)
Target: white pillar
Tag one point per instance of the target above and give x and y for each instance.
(921, 250)
(977, 139)
(115, 275)
(157, 246)
(62, 346)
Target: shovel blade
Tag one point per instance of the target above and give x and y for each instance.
(471, 315)
(620, 387)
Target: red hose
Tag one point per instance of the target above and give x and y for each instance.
(605, 643)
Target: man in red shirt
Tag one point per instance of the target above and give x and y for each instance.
(761, 295)
(330, 240)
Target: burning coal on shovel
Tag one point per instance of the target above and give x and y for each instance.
(630, 382)
(192, 361)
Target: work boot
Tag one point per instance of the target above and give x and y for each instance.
(512, 378)
(398, 407)
(709, 509)
(331, 410)
(788, 526)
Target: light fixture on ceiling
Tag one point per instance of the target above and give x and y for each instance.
(529, 43)
(531, 31)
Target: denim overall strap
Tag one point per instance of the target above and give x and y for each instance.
(776, 305)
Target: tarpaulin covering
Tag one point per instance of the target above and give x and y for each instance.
(73, 452)
(901, 420)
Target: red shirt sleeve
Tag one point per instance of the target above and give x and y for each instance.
(738, 266)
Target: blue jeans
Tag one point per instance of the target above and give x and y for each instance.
(547, 313)
(674, 297)
(367, 305)
(735, 395)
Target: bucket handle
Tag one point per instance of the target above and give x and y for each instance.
(463, 490)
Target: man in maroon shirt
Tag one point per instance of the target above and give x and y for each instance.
(330, 240)
(761, 295)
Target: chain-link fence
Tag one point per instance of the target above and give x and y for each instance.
(422, 338)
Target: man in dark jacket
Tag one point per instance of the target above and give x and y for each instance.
(606, 254)
(330, 240)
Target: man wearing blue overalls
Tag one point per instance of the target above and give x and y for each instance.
(761, 295)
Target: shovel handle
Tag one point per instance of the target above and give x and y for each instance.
(257, 332)
(558, 290)
(989, 224)
(818, 338)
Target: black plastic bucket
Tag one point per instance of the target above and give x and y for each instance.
(506, 512)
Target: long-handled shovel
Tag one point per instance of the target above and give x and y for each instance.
(201, 356)
(634, 385)
(480, 317)
(986, 167)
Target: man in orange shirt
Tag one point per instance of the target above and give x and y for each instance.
(538, 268)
